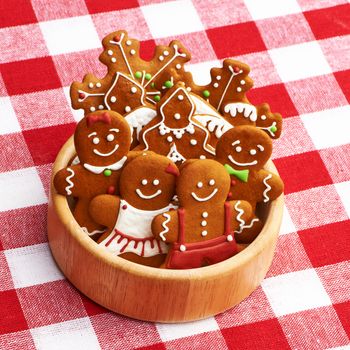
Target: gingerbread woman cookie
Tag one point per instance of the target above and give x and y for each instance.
(175, 132)
(244, 150)
(102, 140)
(147, 186)
(201, 231)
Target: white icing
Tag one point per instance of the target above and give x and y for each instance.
(165, 227)
(177, 116)
(91, 85)
(193, 142)
(96, 151)
(113, 99)
(267, 189)
(69, 181)
(218, 77)
(118, 43)
(133, 89)
(139, 117)
(200, 184)
(100, 107)
(204, 199)
(127, 109)
(135, 223)
(231, 159)
(229, 238)
(166, 53)
(132, 52)
(242, 82)
(110, 52)
(268, 128)
(238, 149)
(239, 215)
(144, 182)
(113, 60)
(242, 227)
(110, 137)
(233, 74)
(252, 152)
(86, 231)
(249, 111)
(178, 66)
(203, 223)
(169, 139)
(98, 85)
(100, 169)
(263, 117)
(175, 155)
(215, 85)
(161, 58)
(151, 196)
(92, 109)
(205, 214)
(182, 247)
(95, 140)
(88, 94)
(214, 124)
(156, 182)
(211, 182)
(128, 42)
(261, 148)
(180, 97)
(239, 89)
(204, 233)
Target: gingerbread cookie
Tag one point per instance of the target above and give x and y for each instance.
(244, 150)
(129, 81)
(147, 186)
(175, 132)
(201, 231)
(102, 140)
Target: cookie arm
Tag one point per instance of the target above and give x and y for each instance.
(242, 213)
(104, 209)
(165, 227)
(68, 181)
(271, 186)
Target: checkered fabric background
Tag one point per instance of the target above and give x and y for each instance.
(299, 53)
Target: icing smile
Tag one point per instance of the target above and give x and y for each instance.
(143, 196)
(204, 199)
(241, 164)
(96, 151)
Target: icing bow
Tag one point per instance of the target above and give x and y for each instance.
(240, 174)
(93, 118)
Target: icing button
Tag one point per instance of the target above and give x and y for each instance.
(110, 190)
(107, 172)
(204, 233)
(182, 247)
(229, 238)
(233, 182)
(124, 206)
(204, 214)
(204, 223)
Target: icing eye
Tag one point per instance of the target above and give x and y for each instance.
(144, 182)
(156, 182)
(252, 152)
(110, 137)
(238, 149)
(211, 182)
(200, 184)
(95, 140)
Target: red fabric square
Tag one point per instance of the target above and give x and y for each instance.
(108, 5)
(11, 314)
(236, 39)
(314, 329)
(14, 13)
(328, 244)
(343, 312)
(30, 75)
(343, 79)
(302, 171)
(331, 21)
(6, 282)
(260, 335)
(91, 307)
(50, 303)
(23, 227)
(147, 49)
(17, 341)
(45, 143)
(277, 97)
(158, 346)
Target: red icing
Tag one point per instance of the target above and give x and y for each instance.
(116, 38)
(111, 190)
(124, 206)
(236, 69)
(94, 118)
(233, 182)
(180, 50)
(81, 95)
(173, 170)
(229, 195)
(210, 251)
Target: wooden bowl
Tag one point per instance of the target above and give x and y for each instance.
(152, 294)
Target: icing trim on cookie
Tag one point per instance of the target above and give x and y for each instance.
(241, 164)
(164, 225)
(100, 169)
(70, 183)
(247, 226)
(144, 196)
(270, 129)
(118, 43)
(85, 230)
(204, 199)
(249, 111)
(268, 188)
(233, 74)
(239, 215)
(96, 151)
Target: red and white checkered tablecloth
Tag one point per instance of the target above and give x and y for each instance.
(299, 53)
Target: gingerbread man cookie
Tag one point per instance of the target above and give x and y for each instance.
(102, 140)
(201, 231)
(244, 150)
(175, 132)
(147, 186)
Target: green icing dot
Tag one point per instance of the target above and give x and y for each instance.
(157, 98)
(273, 128)
(168, 84)
(206, 93)
(138, 75)
(148, 76)
(107, 172)
(152, 84)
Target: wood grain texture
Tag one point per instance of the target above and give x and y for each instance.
(153, 294)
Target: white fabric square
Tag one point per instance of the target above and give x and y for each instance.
(201, 71)
(75, 334)
(272, 8)
(78, 114)
(32, 265)
(9, 122)
(299, 61)
(172, 18)
(295, 291)
(171, 331)
(328, 128)
(287, 225)
(343, 189)
(70, 35)
(21, 188)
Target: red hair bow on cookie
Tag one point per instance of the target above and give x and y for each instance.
(93, 118)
